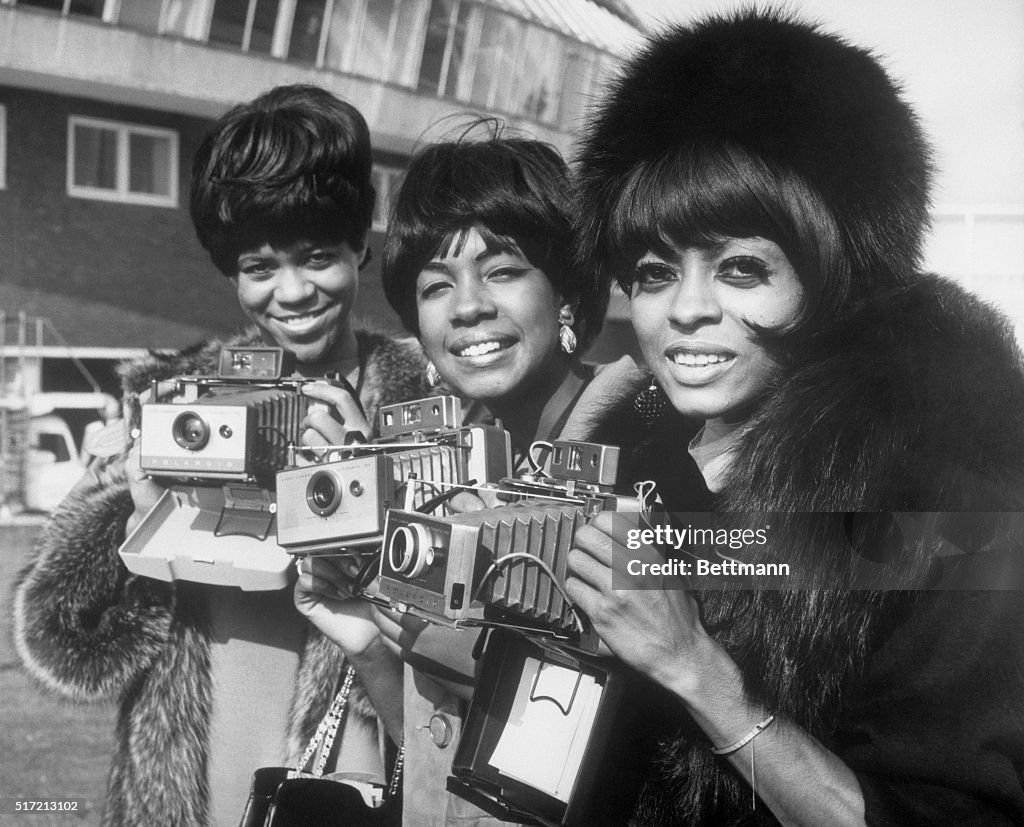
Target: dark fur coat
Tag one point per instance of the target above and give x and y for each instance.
(88, 629)
(914, 403)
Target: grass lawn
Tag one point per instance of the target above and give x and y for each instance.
(49, 749)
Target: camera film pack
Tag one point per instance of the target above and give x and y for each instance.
(589, 717)
(217, 445)
(422, 452)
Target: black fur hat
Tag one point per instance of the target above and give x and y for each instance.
(801, 100)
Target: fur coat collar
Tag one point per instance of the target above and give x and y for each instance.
(913, 403)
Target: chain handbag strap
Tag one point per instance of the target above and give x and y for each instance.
(327, 731)
(396, 774)
(328, 728)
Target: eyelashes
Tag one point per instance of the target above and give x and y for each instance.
(743, 271)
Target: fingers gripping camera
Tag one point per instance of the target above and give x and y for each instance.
(423, 450)
(505, 566)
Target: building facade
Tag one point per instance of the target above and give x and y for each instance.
(103, 103)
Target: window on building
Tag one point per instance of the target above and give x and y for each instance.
(185, 18)
(248, 26)
(410, 22)
(113, 161)
(86, 8)
(444, 47)
(3, 147)
(496, 58)
(343, 26)
(386, 181)
(145, 16)
(307, 30)
(540, 76)
(579, 74)
(386, 45)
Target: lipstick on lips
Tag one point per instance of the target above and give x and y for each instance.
(699, 361)
(481, 346)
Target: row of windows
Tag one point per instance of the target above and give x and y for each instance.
(135, 164)
(460, 49)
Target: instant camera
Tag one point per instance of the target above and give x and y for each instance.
(423, 452)
(506, 566)
(217, 445)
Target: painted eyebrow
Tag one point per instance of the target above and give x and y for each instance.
(438, 265)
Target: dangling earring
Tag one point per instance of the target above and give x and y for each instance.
(433, 377)
(650, 404)
(566, 335)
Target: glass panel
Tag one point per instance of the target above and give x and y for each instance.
(496, 58)
(339, 41)
(149, 164)
(89, 8)
(261, 38)
(228, 23)
(140, 14)
(386, 181)
(540, 79)
(55, 5)
(578, 68)
(458, 53)
(405, 54)
(373, 39)
(186, 18)
(95, 157)
(306, 28)
(434, 45)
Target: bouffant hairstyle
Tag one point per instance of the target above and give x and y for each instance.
(756, 123)
(293, 163)
(514, 191)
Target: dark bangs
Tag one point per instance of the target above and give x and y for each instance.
(701, 195)
(294, 163)
(515, 192)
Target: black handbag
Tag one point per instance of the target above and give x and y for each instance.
(287, 797)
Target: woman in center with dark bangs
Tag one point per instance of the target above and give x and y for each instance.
(478, 265)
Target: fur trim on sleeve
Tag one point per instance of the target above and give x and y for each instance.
(83, 626)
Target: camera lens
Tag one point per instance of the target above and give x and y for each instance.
(190, 431)
(409, 550)
(323, 493)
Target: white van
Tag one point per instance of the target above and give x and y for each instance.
(54, 463)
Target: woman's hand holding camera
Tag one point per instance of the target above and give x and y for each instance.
(323, 594)
(656, 631)
(339, 421)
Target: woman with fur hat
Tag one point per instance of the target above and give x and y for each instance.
(759, 189)
(212, 681)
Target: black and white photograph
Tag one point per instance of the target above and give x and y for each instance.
(456, 413)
